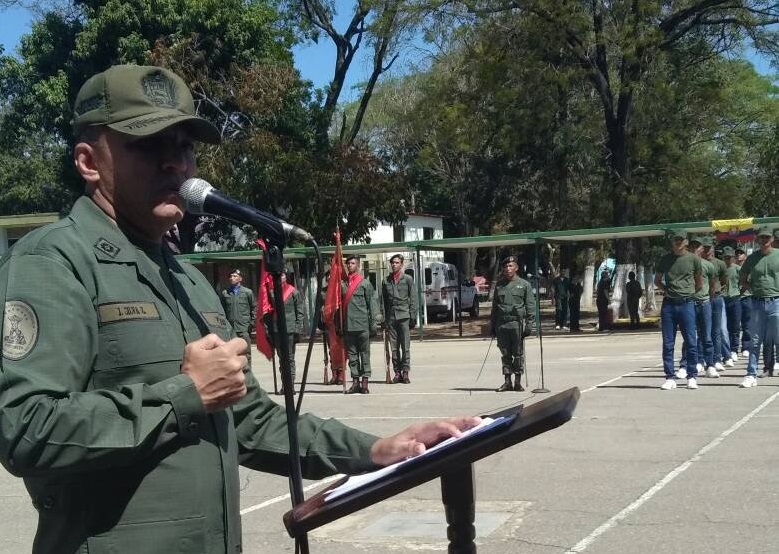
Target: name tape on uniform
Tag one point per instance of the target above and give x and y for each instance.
(127, 311)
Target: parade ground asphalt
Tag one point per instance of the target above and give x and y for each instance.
(637, 470)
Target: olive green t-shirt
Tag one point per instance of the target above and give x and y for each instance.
(679, 274)
(721, 270)
(709, 273)
(762, 271)
(731, 290)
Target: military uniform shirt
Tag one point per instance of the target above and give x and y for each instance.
(399, 300)
(721, 274)
(513, 301)
(240, 309)
(112, 440)
(679, 274)
(762, 271)
(731, 290)
(362, 310)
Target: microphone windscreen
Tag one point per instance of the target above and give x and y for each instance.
(193, 192)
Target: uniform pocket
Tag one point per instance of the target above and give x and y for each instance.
(182, 536)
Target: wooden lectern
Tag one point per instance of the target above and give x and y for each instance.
(454, 466)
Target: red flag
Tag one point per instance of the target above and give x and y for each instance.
(264, 306)
(332, 311)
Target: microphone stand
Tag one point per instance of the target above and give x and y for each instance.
(274, 264)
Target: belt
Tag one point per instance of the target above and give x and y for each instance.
(677, 300)
(701, 302)
(764, 298)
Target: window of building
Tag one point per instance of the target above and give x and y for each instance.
(399, 233)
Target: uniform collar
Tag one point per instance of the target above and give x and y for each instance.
(108, 242)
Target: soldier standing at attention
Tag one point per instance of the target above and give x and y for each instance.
(294, 317)
(399, 313)
(511, 321)
(634, 292)
(127, 404)
(746, 310)
(730, 292)
(679, 276)
(561, 290)
(760, 274)
(240, 308)
(359, 325)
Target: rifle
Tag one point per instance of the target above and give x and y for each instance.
(387, 357)
(325, 380)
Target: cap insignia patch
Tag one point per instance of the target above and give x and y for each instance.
(160, 90)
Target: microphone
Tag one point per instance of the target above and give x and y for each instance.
(201, 198)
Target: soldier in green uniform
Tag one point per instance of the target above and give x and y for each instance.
(126, 402)
(702, 300)
(294, 317)
(399, 314)
(360, 324)
(561, 289)
(717, 304)
(760, 274)
(511, 321)
(732, 296)
(240, 308)
(679, 276)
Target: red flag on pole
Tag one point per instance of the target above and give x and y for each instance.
(264, 306)
(332, 311)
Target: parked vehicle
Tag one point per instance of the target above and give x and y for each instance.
(442, 293)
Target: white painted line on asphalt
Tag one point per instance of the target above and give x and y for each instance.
(604, 383)
(286, 496)
(583, 544)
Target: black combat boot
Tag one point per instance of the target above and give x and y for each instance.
(518, 382)
(398, 378)
(406, 380)
(355, 388)
(506, 386)
(364, 386)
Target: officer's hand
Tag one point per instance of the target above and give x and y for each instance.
(297, 338)
(419, 437)
(527, 330)
(216, 368)
(373, 331)
(412, 323)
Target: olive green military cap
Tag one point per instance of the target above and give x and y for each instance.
(728, 251)
(706, 241)
(508, 259)
(765, 231)
(677, 234)
(140, 101)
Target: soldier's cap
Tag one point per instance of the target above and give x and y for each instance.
(677, 234)
(398, 256)
(351, 257)
(508, 260)
(765, 231)
(740, 249)
(141, 101)
(706, 241)
(236, 272)
(728, 251)
(696, 240)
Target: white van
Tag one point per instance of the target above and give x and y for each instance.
(441, 292)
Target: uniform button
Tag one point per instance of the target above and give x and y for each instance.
(48, 503)
(193, 427)
(184, 419)
(171, 388)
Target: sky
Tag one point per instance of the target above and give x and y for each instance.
(314, 61)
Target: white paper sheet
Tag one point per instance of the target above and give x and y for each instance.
(356, 481)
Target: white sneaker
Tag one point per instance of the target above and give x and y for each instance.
(749, 381)
(718, 366)
(681, 373)
(729, 363)
(699, 367)
(776, 366)
(565, 328)
(669, 384)
(711, 371)
(734, 356)
(557, 327)
(692, 383)
(745, 353)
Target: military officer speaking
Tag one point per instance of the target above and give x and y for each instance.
(126, 403)
(240, 308)
(513, 309)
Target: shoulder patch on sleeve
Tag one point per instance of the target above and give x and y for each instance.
(20, 330)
